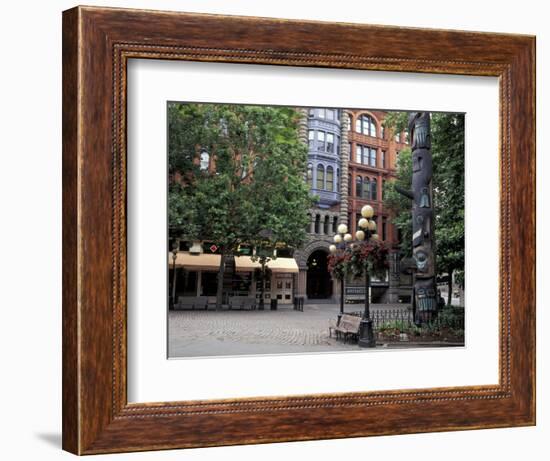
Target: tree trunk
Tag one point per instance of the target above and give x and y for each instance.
(450, 288)
(174, 300)
(219, 291)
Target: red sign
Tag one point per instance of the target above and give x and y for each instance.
(213, 248)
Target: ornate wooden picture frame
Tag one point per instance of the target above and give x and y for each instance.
(97, 44)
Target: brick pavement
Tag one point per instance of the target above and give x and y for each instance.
(222, 333)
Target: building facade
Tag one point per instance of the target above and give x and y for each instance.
(351, 156)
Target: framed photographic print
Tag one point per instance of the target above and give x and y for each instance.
(284, 230)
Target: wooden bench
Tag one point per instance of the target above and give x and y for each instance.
(348, 327)
(191, 303)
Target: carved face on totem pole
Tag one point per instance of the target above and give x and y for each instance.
(422, 212)
(419, 130)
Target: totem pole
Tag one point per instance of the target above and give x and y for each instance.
(423, 243)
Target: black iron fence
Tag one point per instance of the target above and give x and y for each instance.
(403, 319)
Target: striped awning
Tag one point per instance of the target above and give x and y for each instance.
(245, 264)
(195, 262)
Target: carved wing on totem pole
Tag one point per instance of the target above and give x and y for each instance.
(421, 195)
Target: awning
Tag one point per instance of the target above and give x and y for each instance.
(195, 262)
(245, 264)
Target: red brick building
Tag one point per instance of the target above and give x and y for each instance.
(373, 153)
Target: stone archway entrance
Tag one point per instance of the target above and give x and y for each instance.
(319, 283)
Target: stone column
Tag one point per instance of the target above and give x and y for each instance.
(302, 125)
(303, 135)
(302, 278)
(344, 154)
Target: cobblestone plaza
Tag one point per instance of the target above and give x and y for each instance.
(282, 331)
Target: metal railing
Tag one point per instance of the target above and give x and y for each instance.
(403, 319)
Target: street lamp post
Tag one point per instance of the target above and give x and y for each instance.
(341, 239)
(366, 331)
(367, 232)
(266, 251)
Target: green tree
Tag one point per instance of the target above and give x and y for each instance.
(399, 204)
(447, 132)
(256, 183)
(448, 164)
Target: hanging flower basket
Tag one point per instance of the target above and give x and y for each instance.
(371, 255)
(337, 264)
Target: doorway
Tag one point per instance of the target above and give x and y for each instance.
(319, 283)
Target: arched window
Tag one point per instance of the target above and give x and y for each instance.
(330, 179)
(366, 188)
(310, 175)
(334, 225)
(320, 177)
(326, 225)
(338, 180)
(372, 127)
(317, 224)
(374, 189)
(358, 186)
(205, 161)
(365, 124)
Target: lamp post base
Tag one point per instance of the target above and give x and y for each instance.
(366, 334)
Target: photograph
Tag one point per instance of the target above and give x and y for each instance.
(313, 229)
